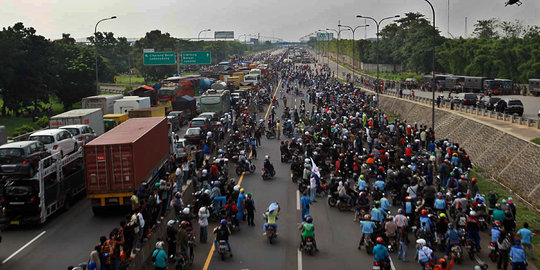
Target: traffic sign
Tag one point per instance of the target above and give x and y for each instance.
(196, 58)
(159, 58)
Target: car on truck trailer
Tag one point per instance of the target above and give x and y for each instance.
(119, 161)
(31, 200)
(91, 117)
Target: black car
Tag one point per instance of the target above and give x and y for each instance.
(510, 106)
(21, 158)
(488, 102)
(468, 99)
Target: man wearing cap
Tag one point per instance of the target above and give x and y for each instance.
(512, 207)
(518, 256)
(240, 204)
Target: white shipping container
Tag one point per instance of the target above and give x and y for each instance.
(91, 117)
(130, 103)
(105, 102)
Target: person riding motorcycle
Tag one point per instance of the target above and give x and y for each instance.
(242, 159)
(342, 192)
(270, 216)
(268, 166)
(362, 184)
(222, 232)
(453, 237)
(380, 252)
(171, 236)
(368, 227)
(424, 253)
(308, 231)
(473, 228)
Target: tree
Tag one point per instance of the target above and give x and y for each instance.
(486, 29)
(510, 30)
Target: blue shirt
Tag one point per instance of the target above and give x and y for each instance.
(385, 204)
(408, 207)
(241, 198)
(362, 185)
(453, 236)
(380, 184)
(440, 204)
(367, 226)
(305, 202)
(526, 235)
(427, 220)
(377, 214)
(161, 258)
(495, 234)
(380, 252)
(517, 254)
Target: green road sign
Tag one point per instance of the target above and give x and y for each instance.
(159, 58)
(196, 58)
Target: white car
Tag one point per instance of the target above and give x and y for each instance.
(56, 141)
(81, 133)
(181, 149)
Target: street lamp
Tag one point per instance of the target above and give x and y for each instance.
(353, 47)
(338, 32)
(96, 51)
(378, 23)
(433, 73)
(199, 35)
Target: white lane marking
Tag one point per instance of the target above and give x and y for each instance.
(297, 199)
(23, 247)
(392, 264)
(478, 260)
(299, 259)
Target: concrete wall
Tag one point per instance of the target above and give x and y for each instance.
(368, 66)
(512, 161)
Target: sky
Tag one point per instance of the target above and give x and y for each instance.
(286, 19)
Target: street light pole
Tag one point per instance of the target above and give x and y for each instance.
(96, 51)
(378, 23)
(327, 46)
(433, 72)
(353, 46)
(199, 35)
(338, 32)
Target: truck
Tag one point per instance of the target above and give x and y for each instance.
(91, 117)
(534, 87)
(112, 120)
(119, 161)
(147, 112)
(104, 102)
(56, 184)
(129, 103)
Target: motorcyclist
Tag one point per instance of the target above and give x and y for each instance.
(186, 216)
(242, 159)
(441, 227)
(390, 228)
(473, 228)
(424, 253)
(377, 214)
(362, 205)
(379, 183)
(231, 212)
(222, 232)
(183, 237)
(342, 191)
(380, 253)
(268, 166)
(453, 236)
(308, 231)
(362, 184)
(368, 227)
(171, 237)
(271, 215)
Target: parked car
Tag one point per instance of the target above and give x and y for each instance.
(174, 121)
(181, 149)
(81, 133)
(56, 141)
(211, 116)
(21, 158)
(468, 99)
(201, 122)
(193, 135)
(510, 106)
(488, 102)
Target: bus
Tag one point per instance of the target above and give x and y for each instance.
(216, 101)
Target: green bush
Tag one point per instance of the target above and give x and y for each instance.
(43, 122)
(23, 129)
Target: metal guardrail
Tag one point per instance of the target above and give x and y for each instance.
(111, 90)
(514, 119)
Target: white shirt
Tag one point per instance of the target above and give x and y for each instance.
(141, 220)
(178, 171)
(313, 182)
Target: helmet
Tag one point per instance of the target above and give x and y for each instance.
(242, 152)
(379, 177)
(472, 213)
(160, 244)
(442, 215)
(442, 261)
(223, 222)
(208, 191)
(441, 196)
(362, 176)
(424, 212)
(204, 172)
(400, 211)
(390, 217)
(362, 193)
(202, 209)
(242, 190)
(171, 223)
(407, 198)
(307, 160)
(380, 240)
(474, 180)
(185, 211)
(497, 223)
(178, 195)
(309, 219)
(367, 217)
(517, 241)
(221, 151)
(421, 242)
(306, 133)
(267, 157)
(450, 226)
(236, 188)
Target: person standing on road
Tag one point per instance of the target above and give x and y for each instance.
(203, 224)
(250, 209)
(140, 234)
(526, 237)
(305, 203)
(518, 256)
(240, 204)
(179, 178)
(277, 129)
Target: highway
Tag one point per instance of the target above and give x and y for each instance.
(336, 234)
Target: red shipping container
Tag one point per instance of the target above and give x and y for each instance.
(127, 155)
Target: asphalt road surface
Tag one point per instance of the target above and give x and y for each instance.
(336, 234)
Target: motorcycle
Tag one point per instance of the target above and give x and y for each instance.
(242, 167)
(457, 253)
(392, 244)
(271, 234)
(286, 156)
(333, 198)
(381, 266)
(223, 249)
(308, 246)
(343, 205)
(493, 254)
(266, 175)
(368, 244)
(483, 223)
(470, 246)
(270, 134)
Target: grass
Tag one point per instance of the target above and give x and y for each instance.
(524, 213)
(125, 79)
(536, 140)
(383, 75)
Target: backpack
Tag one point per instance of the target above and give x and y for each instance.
(155, 255)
